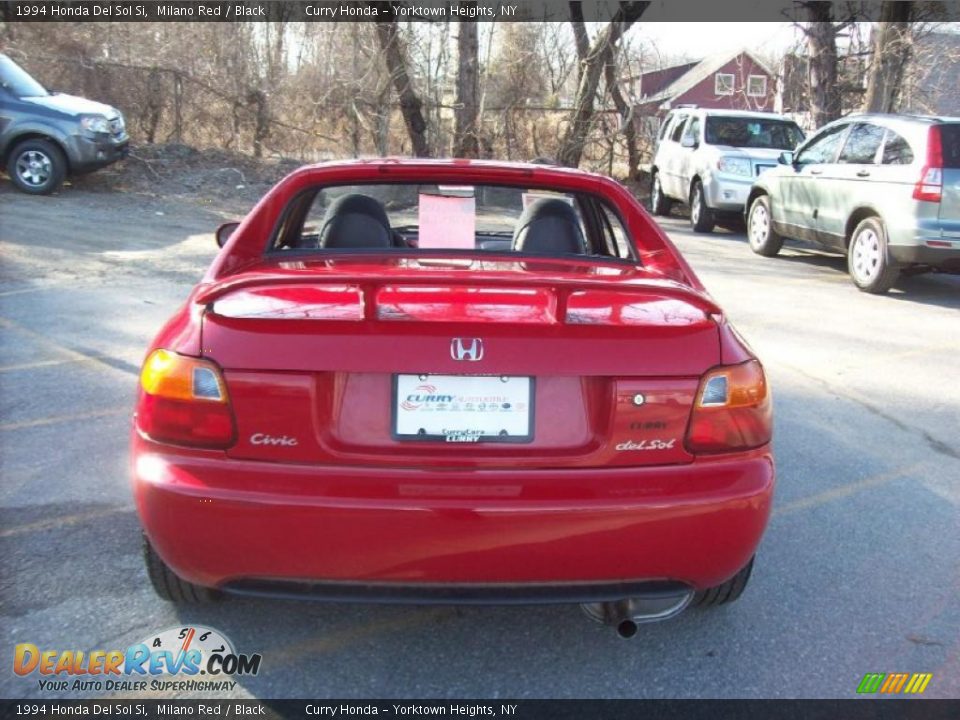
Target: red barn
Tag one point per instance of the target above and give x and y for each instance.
(735, 82)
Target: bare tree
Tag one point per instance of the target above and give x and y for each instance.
(624, 110)
(554, 48)
(411, 107)
(891, 52)
(518, 84)
(468, 92)
(592, 65)
(821, 34)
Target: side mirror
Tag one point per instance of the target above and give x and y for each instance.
(224, 232)
(786, 158)
(688, 141)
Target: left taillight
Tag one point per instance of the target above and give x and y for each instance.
(184, 401)
(732, 411)
(929, 187)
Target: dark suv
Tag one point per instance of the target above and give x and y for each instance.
(46, 136)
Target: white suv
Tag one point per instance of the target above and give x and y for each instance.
(710, 158)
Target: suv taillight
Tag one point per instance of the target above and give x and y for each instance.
(183, 400)
(732, 410)
(930, 186)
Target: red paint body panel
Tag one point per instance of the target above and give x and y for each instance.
(604, 490)
(215, 520)
(344, 418)
(304, 346)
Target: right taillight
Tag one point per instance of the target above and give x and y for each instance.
(732, 410)
(929, 187)
(183, 400)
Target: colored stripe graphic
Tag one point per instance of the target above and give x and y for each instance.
(918, 683)
(870, 683)
(893, 683)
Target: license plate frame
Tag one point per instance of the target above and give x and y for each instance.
(463, 435)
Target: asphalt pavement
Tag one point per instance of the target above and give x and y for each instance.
(859, 570)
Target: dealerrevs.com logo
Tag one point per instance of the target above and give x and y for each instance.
(192, 658)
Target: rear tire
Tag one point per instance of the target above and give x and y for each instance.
(171, 587)
(701, 217)
(659, 203)
(37, 167)
(760, 233)
(726, 592)
(868, 260)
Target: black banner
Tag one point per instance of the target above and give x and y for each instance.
(437, 11)
(510, 709)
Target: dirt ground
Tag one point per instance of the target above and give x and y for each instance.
(172, 171)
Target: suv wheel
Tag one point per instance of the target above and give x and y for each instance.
(726, 592)
(659, 203)
(701, 217)
(170, 586)
(868, 260)
(763, 239)
(37, 167)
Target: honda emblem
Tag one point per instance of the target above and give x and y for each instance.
(466, 349)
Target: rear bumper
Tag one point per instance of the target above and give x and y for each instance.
(493, 535)
(459, 593)
(945, 258)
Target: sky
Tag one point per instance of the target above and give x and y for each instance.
(698, 39)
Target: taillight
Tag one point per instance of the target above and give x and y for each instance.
(732, 410)
(183, 400)
(930, 186)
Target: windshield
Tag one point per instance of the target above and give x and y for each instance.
(452, 218)
(753, 133)
(16, 80)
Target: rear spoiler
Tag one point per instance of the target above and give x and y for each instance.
(564, 288)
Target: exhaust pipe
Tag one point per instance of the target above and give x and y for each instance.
(627, 629)
(627, 614)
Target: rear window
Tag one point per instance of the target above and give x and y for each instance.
(753, 132)
(862, 144)
(950, 139)
(457, 218)
(896, 150)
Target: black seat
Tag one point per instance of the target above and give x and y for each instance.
(355, 221)
(549, 226)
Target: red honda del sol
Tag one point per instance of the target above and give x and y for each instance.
(454, 381)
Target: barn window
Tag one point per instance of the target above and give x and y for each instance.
(757, 86)
(723, 83)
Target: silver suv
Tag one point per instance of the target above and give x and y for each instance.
(882, 189)
(710, 158)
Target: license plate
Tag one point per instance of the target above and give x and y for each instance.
(463, 408)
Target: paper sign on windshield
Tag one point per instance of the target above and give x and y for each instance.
(447, 222)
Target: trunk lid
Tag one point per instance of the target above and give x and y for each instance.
(312, 353)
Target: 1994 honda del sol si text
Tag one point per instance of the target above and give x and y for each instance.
(452, 381)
